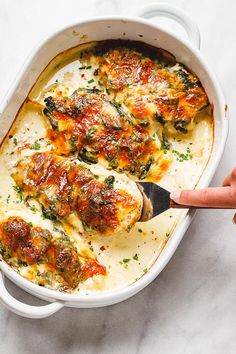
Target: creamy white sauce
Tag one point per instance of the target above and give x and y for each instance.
(127, 255)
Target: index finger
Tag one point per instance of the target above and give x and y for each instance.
(221, 197)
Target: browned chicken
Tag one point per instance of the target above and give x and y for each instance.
(30, 245)
(64, 186)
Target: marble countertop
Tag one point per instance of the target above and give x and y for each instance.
(190, 307)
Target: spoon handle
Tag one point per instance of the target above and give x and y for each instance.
(175, 205)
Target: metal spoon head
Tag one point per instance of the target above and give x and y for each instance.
(147, 210)
(156, 200)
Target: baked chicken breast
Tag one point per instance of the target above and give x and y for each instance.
(70, 191)
(153, 88)
(99, 130)
(45, 257)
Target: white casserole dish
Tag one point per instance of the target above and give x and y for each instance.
(133, 28)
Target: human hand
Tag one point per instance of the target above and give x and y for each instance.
(222, 197)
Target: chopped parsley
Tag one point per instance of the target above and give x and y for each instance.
(125, 262)
(48, 213)
(90, 81)
(109, 181)
(136, 257)
(90, 133)
(165, 145)
(18, 191)
(183, 157)
(33, 208)
(35, 145)
(15, 141)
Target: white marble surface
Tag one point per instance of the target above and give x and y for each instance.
(191, 307)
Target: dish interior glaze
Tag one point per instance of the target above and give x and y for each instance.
(121, 111)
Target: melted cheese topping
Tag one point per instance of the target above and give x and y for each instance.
(112, 106)
(66, 188)
(47, 258)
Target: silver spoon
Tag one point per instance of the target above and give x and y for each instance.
(156, 200)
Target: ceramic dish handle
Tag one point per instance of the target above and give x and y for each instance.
(176, 14)
(23, 309)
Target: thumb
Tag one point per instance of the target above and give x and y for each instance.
(234, 219)
(207, 197)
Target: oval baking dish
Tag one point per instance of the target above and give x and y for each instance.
(101, 29)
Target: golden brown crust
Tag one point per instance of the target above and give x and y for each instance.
(150, 89)
(63, 186)
(121, 123)
(33, 245)
(98, 129)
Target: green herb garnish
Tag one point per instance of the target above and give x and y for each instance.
(90, 133)
(124, 262)
(135, 257)
(165, 145)
(48, 214)
(109, 181)
(183, 157)
(19, 192)
(33, 208)
(35, 145)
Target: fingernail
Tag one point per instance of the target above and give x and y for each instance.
(175, 195)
